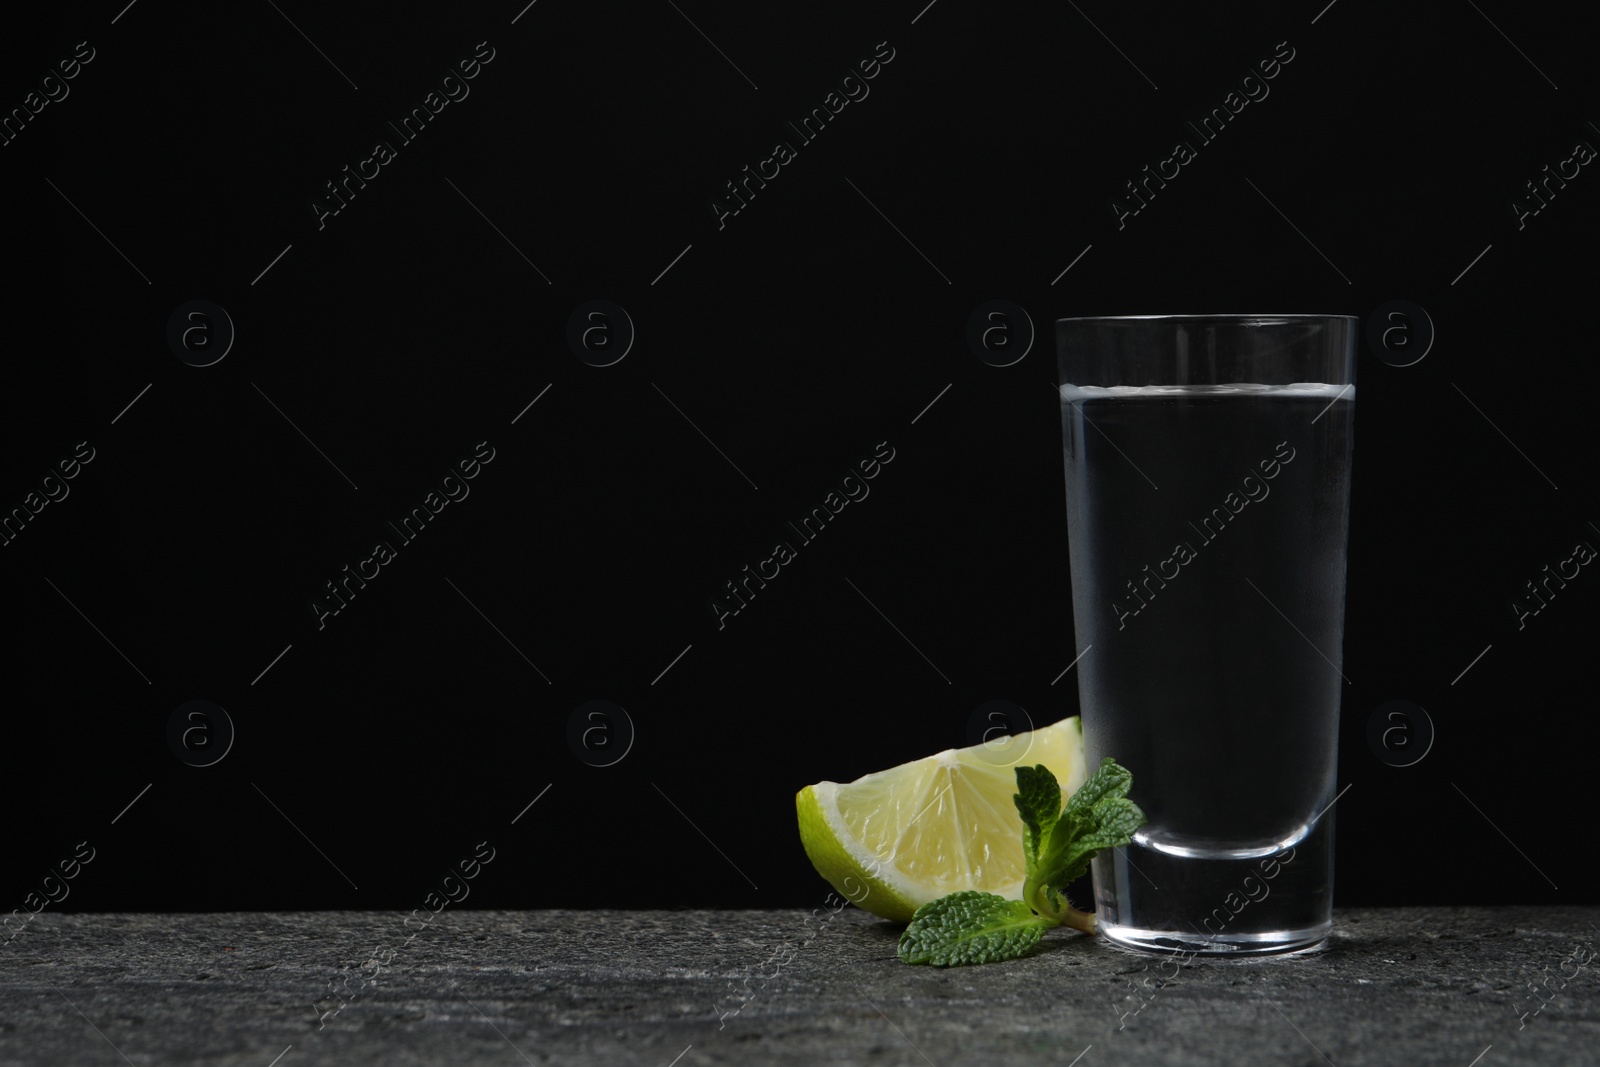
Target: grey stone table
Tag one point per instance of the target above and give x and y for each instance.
(1462, 987)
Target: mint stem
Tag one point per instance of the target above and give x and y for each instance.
(1035, 893)
(1079, 920)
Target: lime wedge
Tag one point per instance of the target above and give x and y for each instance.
(893, 840)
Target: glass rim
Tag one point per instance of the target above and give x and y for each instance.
(1265, 319)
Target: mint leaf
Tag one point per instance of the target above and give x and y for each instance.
(1110, 779)
(971, 927)
(1038, 801)
(1098, 816)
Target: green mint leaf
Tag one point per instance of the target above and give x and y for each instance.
(1110, 779)
(971, 927)
(1038, 801)
(1112, 825)
(1098, 816)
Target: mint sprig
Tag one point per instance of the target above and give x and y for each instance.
(1057, 844)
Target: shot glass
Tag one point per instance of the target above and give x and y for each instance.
(1208, 462)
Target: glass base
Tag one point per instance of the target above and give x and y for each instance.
(1276, 942)
(1218, 903)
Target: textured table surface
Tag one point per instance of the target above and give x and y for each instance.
(1411, 986)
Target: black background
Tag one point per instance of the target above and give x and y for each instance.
(796, 337)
